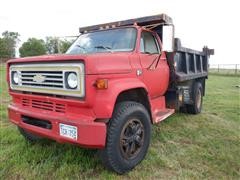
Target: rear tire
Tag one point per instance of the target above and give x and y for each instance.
(128, 137)
(29, 136)
(197, 96)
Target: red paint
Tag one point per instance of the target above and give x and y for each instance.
(120, 70)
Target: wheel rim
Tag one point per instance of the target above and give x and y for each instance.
(199, 98)
(132, 138)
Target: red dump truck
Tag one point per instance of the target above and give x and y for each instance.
(114, 82)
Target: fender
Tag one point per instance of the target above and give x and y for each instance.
(106, 99)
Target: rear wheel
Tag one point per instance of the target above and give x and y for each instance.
(128, 138)
(29, 136)
(197, 97)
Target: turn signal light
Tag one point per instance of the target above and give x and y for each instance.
(101, 84)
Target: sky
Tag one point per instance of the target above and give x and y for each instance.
(214, 23)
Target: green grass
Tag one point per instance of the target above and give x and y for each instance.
(182, 147)
(226, 72)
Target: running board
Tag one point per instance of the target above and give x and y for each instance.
(162, 114)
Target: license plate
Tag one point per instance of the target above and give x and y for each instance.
(68, 131)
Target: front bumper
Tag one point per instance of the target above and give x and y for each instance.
(90, 134)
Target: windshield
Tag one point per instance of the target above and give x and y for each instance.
(112, 40)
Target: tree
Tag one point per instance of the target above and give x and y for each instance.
(65, 44)
(33, 47)
(10, 35)
(52, 45)
(4, 53)
(55, 46)
(8, 44)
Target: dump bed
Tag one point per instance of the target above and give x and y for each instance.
(187, 64)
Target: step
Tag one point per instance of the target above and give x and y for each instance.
(162, 114)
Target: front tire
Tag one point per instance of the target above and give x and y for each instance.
(128, 138)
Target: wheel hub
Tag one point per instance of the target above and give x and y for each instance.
(131, 139)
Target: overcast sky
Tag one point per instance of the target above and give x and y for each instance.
(201, 22)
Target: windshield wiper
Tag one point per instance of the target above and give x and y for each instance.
(103, 47)
(80, 46)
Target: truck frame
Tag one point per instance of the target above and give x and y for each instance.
(115, 81)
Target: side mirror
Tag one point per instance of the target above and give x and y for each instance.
(168, 38)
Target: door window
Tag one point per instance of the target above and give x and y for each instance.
(148, 43)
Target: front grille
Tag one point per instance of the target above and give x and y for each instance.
(47, 78)
(44, 105)
(42, 78)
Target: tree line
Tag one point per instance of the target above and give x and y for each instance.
(32, 47)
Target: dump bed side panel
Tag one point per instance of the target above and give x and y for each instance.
(187, 64)
(190, 64)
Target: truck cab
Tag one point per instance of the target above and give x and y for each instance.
(114, 82)
(140, 47)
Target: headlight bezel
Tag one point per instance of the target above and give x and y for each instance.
(14, 75)
(67, 83)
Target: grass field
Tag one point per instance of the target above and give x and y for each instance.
(226, 72)
(182, 147)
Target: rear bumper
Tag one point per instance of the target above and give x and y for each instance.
(90, 134)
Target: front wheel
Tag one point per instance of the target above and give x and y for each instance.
(128, 138)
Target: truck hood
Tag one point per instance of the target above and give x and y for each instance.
(99, 63)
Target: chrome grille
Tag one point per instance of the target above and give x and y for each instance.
(48, 78)
(51, 78)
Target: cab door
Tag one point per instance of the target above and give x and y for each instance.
(154, 64)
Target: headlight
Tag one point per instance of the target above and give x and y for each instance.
(15, 77)
(72, 80)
